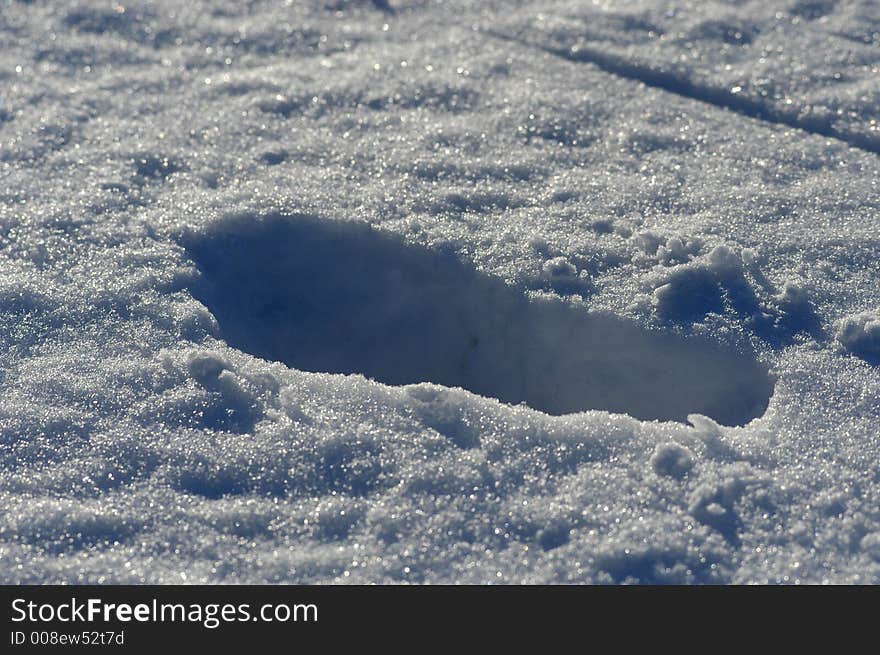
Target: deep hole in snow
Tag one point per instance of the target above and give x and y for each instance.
(341, 297)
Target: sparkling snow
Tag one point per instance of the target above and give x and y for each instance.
(439, 291)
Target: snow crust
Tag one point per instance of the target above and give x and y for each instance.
(669, 214)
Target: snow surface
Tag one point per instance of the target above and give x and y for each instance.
(339, 291)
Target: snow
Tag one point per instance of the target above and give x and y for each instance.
(672, 459)
(439, 291)
(860, 334)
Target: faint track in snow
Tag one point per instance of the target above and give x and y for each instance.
(714, 96)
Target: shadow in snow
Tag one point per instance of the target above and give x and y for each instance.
(341, 297)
